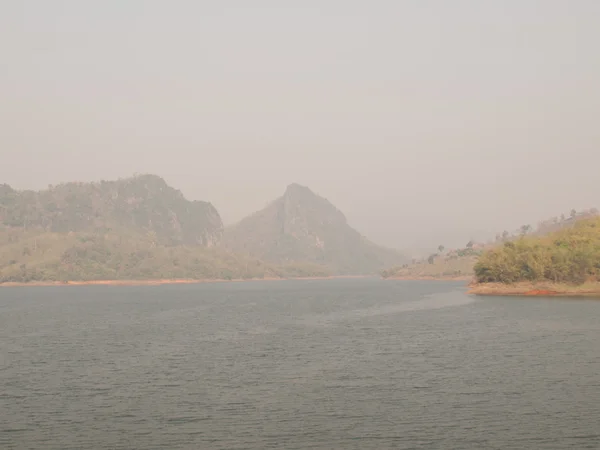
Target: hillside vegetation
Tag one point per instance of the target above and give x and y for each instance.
(570, 255)
(453, 264)
(27, 256)
(459, 263)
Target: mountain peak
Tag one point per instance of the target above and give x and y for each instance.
(296, 188)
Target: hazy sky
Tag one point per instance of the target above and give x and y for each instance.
(425, 121)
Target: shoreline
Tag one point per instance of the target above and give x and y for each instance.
(166, 281)
(535, 289)
(430, 278)
(481, 289)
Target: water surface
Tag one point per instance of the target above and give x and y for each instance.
(333, 364)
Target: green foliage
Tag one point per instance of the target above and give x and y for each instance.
(124, 254)
(570, 255)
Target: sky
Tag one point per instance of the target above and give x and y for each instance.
(425, 121)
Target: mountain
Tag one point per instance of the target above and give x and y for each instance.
(132, 229)
(140, 228)
(144, 203)
(302, 227)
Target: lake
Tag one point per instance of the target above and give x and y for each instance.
(319, 364)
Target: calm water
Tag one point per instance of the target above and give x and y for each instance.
(344, 364)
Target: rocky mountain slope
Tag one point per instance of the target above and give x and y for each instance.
(302, 227)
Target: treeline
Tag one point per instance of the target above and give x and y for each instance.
(547, 226)
(570, 255)
(34, 255)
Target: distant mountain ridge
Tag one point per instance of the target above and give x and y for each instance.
(144, 203)
(141, 228)
(301, 226)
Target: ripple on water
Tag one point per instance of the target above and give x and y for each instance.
(348, 364)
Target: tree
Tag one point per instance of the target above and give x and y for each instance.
(441, 248)
(573, 213)
(431, 259)
(505, 235)
(470, 244)
(525, 229)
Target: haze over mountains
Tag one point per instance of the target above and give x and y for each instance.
(302, 226)
(142, 228)
(470, 118)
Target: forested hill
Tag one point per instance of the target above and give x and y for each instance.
(144, 203)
